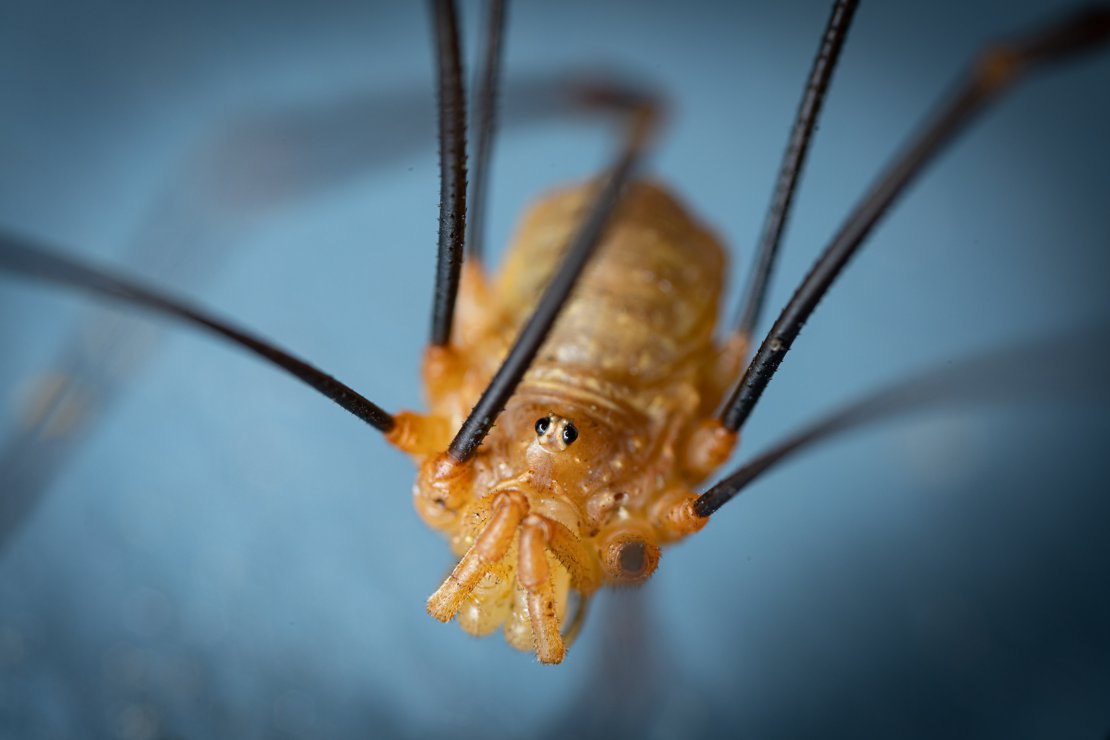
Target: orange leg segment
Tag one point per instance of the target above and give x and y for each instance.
(534, 576)
(708, 448)
(491, 545)
(419, 434)
(673, 515)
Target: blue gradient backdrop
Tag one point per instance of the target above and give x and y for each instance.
(226, 555)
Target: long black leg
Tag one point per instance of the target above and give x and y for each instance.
(528, 342)
(451, 108)
(997, 69)
(751, 305)
(23, 257)
(1069, 368)
(485, 116)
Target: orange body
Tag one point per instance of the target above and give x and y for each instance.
(590, 466)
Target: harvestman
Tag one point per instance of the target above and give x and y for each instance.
(612, 401)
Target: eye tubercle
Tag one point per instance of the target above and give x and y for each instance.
(555, 433)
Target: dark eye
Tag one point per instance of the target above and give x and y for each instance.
(570, 433)
(542, 425)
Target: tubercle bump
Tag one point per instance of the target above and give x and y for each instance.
(443, 487)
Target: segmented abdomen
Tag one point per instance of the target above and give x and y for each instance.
(645, 305)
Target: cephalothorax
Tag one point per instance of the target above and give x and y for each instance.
(578, 397)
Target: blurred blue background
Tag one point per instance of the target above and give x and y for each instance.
(223, 554)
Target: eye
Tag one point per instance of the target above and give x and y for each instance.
(542, 425)
(570, 433)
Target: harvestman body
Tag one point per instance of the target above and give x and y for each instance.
(613, 400)
(596, 454)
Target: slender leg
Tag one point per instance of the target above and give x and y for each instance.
(805, 123)
(1077, 370)
(997, 69)
(23, 257)
(451, 108)
(712, 443)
